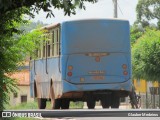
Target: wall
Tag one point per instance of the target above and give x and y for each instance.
(23, 90)
(23, 82)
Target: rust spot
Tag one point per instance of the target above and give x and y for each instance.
(97, 59)
(59, 96)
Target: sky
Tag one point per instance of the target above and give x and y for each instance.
(101, 9)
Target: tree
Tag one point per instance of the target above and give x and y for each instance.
(11, 51)
(135, 33)
(148, 10)
(12, 10)
(146, 56)
(32, 25)
(13, 54)
(68, 6)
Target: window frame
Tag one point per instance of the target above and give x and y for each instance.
(56, 42)
(50, 46)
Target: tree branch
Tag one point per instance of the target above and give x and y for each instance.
(18, 4)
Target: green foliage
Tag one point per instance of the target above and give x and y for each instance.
(10, 87)
(68, 6)
(146, 56)
(13, 51)
(8, 57)
(34, 105)
(75, 105)
(14, 48)
(12, 10)
(7, 86)
(148, 10)
(32, 25)
(135, 33)
(29, 42)
(23, 106)
(17, 48)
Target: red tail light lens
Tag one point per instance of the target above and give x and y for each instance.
(97, 59)
(124, 66)
(125, 73)
(69, 74)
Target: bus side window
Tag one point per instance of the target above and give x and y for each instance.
(39, 53)
(36, 53)
(49, 36)
(40, 50)
(53, 43)
(57, 41)
(44, 47)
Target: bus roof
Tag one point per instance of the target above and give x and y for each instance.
(92, 19)
(51, 26)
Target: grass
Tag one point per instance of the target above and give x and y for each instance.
(34, 105)
(23, 106)
(76, 105)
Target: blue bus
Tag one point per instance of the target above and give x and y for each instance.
(83, 60)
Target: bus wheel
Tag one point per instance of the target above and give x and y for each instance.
(115, 101)
(105, 101)
(65, 104)
(41, 103)
(57, 104)
(91, 102)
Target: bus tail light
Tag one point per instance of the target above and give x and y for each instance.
(124, 66)
(69, 74)
(70, 67)
(125, 73)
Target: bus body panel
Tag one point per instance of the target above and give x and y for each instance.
(42, 75)
(69, 87)
(108, 69)
(95, 36)
(84, 41)
(96, 49)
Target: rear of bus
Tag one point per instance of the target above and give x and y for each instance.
(96, 56)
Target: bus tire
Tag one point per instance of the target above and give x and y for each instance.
(105, 101)
(65, 104)
(91, 104)
(57, 104)
(41, 103)
(115, 101)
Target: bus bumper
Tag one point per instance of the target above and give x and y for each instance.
(69, 87)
